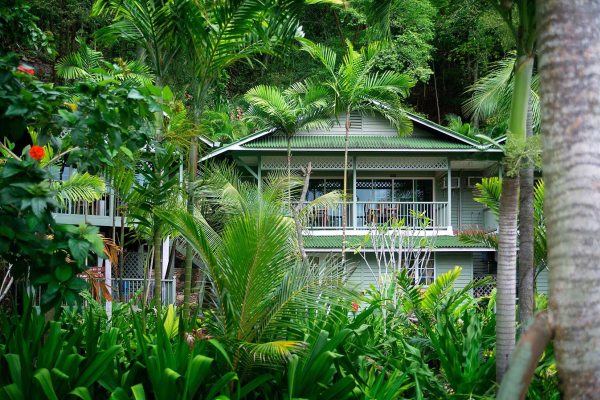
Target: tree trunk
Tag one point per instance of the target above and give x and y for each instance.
(526, 226)
(509, 204)
(570, 75)
(344, 198)
(298, 208)
(189, 251)
(507, 275)
(157, 269)
(289, 171)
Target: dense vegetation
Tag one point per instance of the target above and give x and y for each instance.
(123, 89)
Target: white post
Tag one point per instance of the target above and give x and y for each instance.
(108, 283)
(449, 195)
(354, 208)
(165, 256)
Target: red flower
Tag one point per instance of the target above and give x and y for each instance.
(37, 152)
(25, 69)
(355, 306)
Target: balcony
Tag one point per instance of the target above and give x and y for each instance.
(98, 212)
(363, 215)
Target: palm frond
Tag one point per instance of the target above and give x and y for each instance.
(488, 193)
(479, 238)
(79, 187)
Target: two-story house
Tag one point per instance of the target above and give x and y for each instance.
(431, 171)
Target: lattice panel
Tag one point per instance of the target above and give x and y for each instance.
(402, 163)
(484, 290)
(134, 264)
(322, 163)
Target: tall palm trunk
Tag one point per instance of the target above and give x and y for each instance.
(507, 275)
(570, 76)
(189, 251)
(344, 199)
(289, 171)
(157, 268)
(507, 246)
(526, 246)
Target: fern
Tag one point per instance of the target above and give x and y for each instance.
(79, 187)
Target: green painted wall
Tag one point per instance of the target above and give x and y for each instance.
(445, 262)
(542, 282)
(364, 276)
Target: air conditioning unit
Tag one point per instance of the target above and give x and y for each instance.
(473, 180)
(455, 183)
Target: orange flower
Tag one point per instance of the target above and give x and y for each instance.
(25, 69)
(37, 152)
(355, 306)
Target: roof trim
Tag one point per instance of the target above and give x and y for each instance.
(312, 150)
(237, 144)
(442, 129)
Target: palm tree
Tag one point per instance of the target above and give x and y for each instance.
(356, 86)
(489, 192)
(154, 190)
(87, 63)
(523, 29)
(302, 106)
(490, 101)
(261, 290)
(211, 36)
(569, 99)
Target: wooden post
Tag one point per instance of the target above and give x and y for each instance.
(259, 183)
(354, 215)
(449, 224)
(108, 283)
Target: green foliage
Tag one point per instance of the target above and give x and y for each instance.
(356, 87)
(50, 255)
(79, 187)
(103, 118)
(19, 30)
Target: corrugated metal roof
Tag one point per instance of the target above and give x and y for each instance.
(335, 242)
(356, 142)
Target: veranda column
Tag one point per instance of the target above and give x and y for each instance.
(449, 225)
(354, 198)
(259, 183)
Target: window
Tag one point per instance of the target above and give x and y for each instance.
(394, 190)
(421, 270)
(319, 187)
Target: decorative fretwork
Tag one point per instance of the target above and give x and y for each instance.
(363, 163)
(484, 290)
(402, 163)
(318, 163)
(133, 264)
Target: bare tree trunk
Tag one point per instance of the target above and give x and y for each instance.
(507, 274)
(189, 251)
(157, 269)
(526, 223)
(344, 199)
(297, 210)
(570, 75)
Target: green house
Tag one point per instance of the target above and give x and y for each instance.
(429, 173)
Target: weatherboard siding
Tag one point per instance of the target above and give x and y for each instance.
(367, 273)
(445, 262)
(542, 282)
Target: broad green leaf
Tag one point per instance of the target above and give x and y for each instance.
(96, 368)
(138, 392)
(42, 376)
(81, 392)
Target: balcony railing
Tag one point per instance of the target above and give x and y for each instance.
(379, 213)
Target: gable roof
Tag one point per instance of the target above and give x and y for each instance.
(267, 140)
(320, 142)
